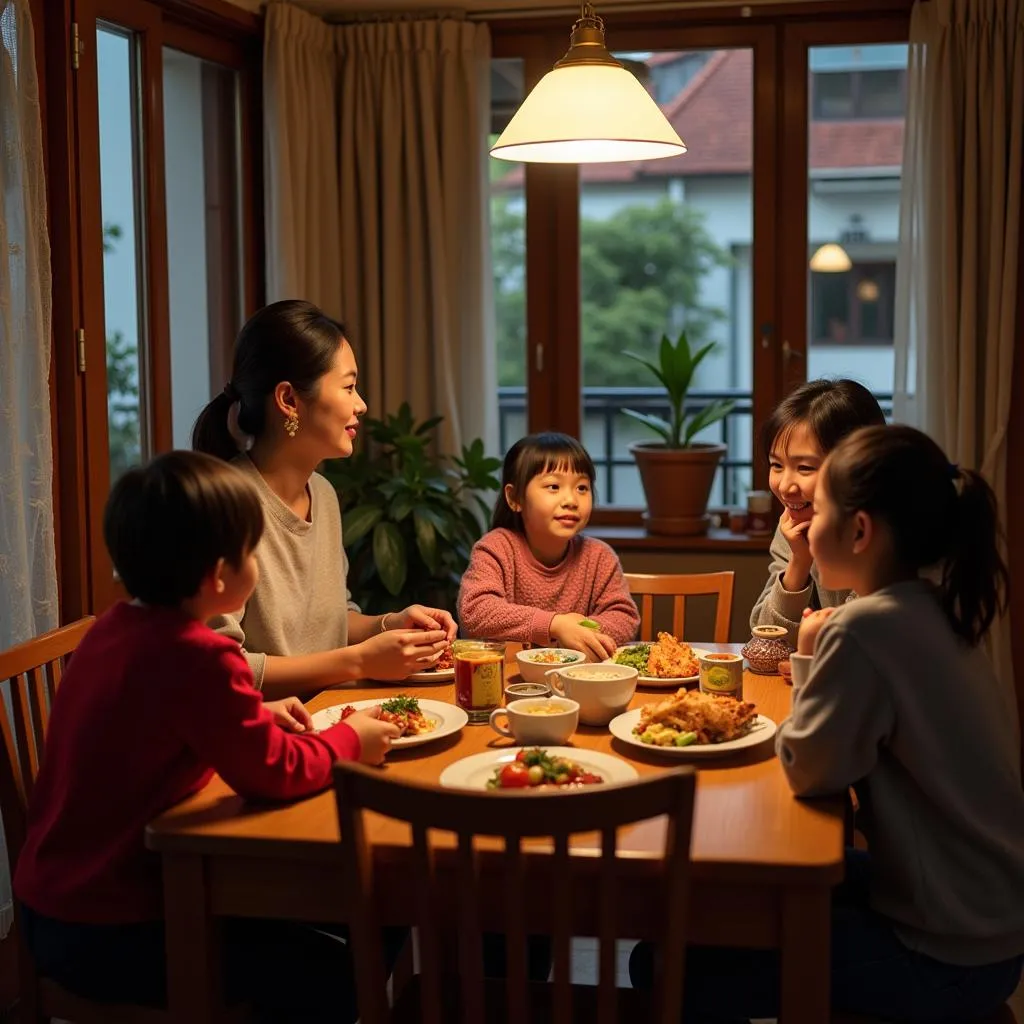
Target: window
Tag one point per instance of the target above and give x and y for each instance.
(845, 95)
(855, 307)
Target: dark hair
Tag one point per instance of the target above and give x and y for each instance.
(939, 514)
(830, 408)
(167, 523)
(529, 457)
(290, 340)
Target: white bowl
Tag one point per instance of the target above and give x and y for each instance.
(602, 691)
(555, 723)
(533, 671)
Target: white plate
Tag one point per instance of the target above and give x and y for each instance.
(622, 727)
(657, 682)
(449, 719)
(443, 675)
(473, 772)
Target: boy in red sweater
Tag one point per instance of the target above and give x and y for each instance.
(152, 704)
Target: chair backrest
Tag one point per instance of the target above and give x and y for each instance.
(512, 886)
(679, 587)
(34, 671)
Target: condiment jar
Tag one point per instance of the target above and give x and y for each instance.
(766, 648)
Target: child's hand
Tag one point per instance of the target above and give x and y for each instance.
(374, 735)
(398, 653)
(568, 632)
(416, 616)
(290, 714)
(810, 627)
(800, 562)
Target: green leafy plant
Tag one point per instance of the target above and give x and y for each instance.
(410, 519)
(675, 368)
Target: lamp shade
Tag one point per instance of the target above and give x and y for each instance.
(588, 113)
(830, 259)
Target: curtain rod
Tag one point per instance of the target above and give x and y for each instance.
(493, 14)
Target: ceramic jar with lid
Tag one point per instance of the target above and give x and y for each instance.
(766, 648)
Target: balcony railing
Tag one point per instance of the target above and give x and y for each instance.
(607, 434)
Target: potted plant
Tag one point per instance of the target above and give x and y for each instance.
(676, 472)
(410, 519)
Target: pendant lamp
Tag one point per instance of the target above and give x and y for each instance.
(830, 258)
(588, 109)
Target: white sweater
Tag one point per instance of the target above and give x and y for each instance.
(896, 705)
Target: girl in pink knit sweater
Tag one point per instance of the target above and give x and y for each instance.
(533, 578)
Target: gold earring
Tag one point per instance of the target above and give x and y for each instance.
(291, 423)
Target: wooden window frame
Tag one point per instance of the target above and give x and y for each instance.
(777, 36)
(209, 29)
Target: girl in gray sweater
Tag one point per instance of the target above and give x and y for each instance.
(893, 697)
(796, 439)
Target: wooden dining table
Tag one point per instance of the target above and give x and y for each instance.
(764, 862)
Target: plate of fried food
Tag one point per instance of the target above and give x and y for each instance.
(442, 671)
(693, 724)
(421, 721)
(665, 664)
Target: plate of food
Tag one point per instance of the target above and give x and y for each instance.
(666, 663)
(442, 671)
(693, 724)
(421, 721)
(549, 769)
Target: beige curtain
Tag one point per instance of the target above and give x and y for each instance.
(959, 235)
(408, 142)
(303, 238)
(28, 571)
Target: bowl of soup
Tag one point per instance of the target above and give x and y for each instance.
(602, 691)
(537, 721)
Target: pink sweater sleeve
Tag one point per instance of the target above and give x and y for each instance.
(485, 608)
(612, 606)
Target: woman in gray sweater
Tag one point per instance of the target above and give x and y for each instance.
(796, 439)
(892, 695)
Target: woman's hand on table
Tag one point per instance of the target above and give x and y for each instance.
(290, 714)
(418, 616)
(568, 632)
(375, 736)
(397, 653)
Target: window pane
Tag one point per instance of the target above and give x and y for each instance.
(203, 230)
(508, 254)
(833, 95)
(122, 204)
(665, 246)
(854, 200)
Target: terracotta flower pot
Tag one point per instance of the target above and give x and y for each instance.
(677, 483)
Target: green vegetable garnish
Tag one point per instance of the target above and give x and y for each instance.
(590, 624)
(401, 705)
(634, 656)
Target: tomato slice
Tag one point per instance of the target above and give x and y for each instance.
(514, 776)
(521, 756)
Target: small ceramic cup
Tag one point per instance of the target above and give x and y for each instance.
(520, 691)
(538, 720)
(602, 691)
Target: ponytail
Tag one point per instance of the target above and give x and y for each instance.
(291, 341)
(939, 515)
(975, 581)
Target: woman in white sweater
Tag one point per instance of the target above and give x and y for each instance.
(292, 402)
(893, 696)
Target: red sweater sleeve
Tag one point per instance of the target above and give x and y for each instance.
(228, 727)
(485, 605)
(613, 606)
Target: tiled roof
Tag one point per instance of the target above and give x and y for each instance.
(714, 116)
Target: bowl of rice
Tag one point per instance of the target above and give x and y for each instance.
(536, 662)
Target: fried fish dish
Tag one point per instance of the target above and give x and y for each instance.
(712, 719)
(670, 658)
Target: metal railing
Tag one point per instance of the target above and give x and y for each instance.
(607, 433)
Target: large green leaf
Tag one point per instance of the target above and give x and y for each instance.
(401, 506)
(655, 423)
(709, 414)
(441, 522)
(389, 556)
(359, 521)
(426, 540)
(653, 367)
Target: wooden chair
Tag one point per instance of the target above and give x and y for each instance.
(34, 670)
(679, 587)
(535, 886)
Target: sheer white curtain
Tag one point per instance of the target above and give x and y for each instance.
(412, 101)
(956, 295)
(28, 573)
